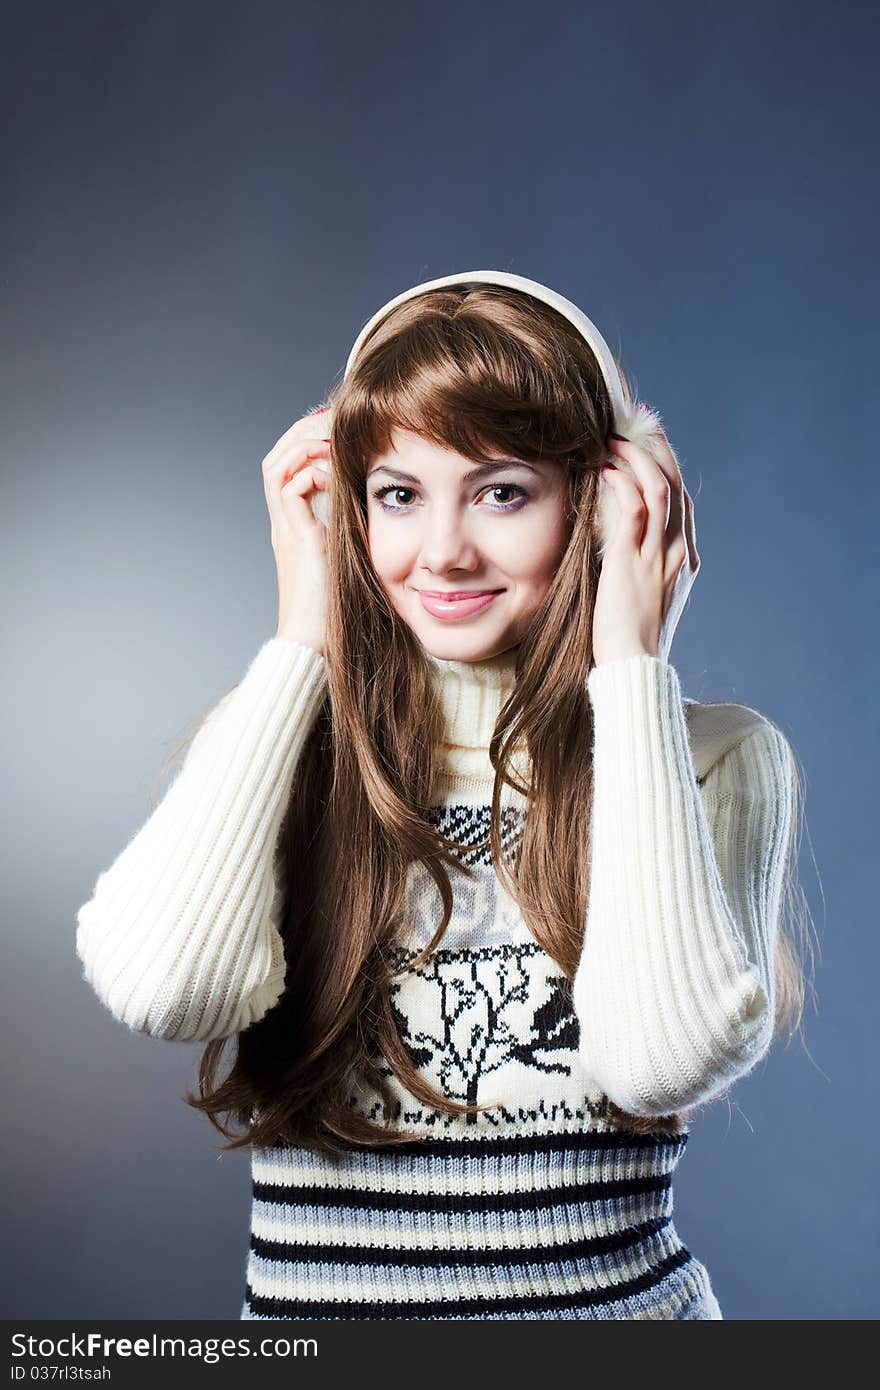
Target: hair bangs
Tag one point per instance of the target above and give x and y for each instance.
(476, 373)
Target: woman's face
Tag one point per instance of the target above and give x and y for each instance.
(434, 528)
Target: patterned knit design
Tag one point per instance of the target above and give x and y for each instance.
(488, 1019)
(534, 1209)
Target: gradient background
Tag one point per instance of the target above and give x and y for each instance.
(204, 203)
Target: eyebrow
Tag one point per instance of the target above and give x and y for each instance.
(481, 472)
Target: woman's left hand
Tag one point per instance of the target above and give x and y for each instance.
(651, 560)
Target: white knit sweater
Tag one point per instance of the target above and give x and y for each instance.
(692, 811)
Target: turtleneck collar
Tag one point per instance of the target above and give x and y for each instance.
(471, 695)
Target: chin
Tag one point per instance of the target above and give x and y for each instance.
(459, 646)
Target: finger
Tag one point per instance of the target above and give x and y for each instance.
(282, 463)
(295, 497)
(291, 479)
(304, 480)
(630, 525)
(661, 454)
(302, 476)
(672, 468)
(655, 488)
(314, 452)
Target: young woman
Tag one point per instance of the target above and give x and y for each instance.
(485, 905)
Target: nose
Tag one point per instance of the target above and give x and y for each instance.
(447, 545)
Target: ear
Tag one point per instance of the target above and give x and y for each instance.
(639, 424)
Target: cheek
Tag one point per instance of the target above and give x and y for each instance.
(387, 551)
(536, 563)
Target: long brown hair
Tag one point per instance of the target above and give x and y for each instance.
(476, 370)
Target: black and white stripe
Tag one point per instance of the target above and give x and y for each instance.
(573, 1224)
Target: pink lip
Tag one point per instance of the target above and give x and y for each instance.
(457, 604)
(453, 594)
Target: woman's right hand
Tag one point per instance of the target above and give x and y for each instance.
(291, 477)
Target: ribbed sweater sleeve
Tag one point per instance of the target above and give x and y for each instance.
(674, 990)
(180, 938)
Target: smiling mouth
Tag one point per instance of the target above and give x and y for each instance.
(451, 595)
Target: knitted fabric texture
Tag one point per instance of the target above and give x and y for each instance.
(540, 1207)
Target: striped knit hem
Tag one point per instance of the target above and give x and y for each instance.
(558, 1226)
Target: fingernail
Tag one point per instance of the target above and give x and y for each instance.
(323, 465)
